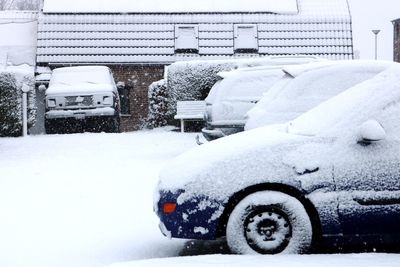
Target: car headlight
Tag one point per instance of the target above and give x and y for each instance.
(51, 103)
(107, 100)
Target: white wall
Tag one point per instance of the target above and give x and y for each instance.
(18, 38)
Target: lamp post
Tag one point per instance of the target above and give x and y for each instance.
(376, 32)
(25, 90)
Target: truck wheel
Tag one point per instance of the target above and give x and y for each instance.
(269, 222)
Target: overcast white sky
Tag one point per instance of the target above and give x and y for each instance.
(374, 14)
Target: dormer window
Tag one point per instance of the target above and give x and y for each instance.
(186, 38)
(246, 38)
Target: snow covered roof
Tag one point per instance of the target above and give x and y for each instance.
(169, 6)
(82, 33)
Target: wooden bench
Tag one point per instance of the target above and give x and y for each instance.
(189, 111)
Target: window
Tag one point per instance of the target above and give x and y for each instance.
(246, 40)
(186, 39)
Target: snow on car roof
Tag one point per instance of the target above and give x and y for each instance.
(297, 70)
(353, 107)
(170, 6)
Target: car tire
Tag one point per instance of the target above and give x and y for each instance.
(50, 127)
(269, 222)
(112, 125)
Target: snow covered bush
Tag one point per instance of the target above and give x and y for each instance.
(192, 81)
(11, 103)
(158, 103)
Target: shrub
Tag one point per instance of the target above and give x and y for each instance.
(192, 81)
(158, 103)
(11, 103)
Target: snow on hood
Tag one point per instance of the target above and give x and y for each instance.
(227, 165)
(79, 88)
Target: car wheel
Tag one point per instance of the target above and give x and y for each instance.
(112, 125)
(50, 127)
(269, 222)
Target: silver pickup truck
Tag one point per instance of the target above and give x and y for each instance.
(82, 99)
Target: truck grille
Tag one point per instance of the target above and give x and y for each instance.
(80, 101)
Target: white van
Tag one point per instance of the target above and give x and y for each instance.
(82, 98)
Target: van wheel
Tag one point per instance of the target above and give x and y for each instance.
(269, 222)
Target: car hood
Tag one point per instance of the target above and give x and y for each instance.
(227, 165)
(82, 88)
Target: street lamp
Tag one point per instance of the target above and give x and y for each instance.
(376, 32)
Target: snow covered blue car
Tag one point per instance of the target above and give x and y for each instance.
(332, 174)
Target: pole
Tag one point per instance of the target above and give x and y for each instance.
(25, 89)
(376, 32)
(24, 114)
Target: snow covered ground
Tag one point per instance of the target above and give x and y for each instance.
(83, 200)
(86, 200)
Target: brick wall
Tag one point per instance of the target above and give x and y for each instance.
(137, 80)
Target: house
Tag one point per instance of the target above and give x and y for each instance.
(396, 40)
(138, 40)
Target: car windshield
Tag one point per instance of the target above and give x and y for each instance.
(377, 98)
(80, 75)
(244, 85)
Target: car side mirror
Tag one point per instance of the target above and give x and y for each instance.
(371, 131)
(120, 85)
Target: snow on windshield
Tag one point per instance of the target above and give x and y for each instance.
(245, 84)
(79, 75)
(376, 99)
(288, 100)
